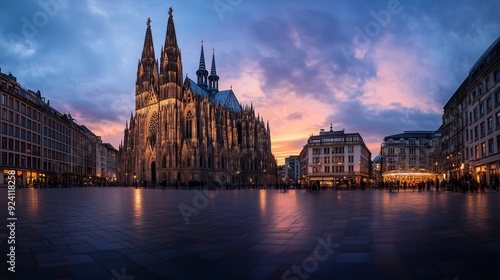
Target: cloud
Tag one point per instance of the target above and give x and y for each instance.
(284, 57)
(295, 116)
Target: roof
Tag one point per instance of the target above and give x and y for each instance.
(195, 88)
(228, 99)
(414, 134)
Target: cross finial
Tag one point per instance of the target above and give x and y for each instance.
(213, 50)
(170, 11)
(202, 42)
(148, 23)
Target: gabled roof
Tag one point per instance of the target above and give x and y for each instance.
(195, 88)
(228, 99)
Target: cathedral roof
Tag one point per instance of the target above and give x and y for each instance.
(195, 88)
(228, 99)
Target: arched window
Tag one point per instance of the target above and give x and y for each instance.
(189, 125)
(240, 133)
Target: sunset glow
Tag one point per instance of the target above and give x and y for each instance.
(360, 66)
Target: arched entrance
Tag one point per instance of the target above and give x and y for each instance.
(153, 172)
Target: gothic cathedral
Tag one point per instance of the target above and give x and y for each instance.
(185, 131)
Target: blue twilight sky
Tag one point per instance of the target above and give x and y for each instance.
(377, 67)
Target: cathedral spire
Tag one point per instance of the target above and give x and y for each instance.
(148, 51)
(171, 65)
(213, 79)
(147, 70)
(202, 72)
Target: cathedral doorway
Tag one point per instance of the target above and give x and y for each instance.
(153, 172)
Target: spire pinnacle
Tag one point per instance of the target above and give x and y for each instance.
(213, 71)
(213, 79)
(202, 72)
(170, 12)
(148, 22)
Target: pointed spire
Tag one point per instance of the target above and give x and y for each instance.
(148, 51)
(171, 65)
(147, 69)
(202, 57)
(202, 72)
(213, 71)
(171, 38)
(213, 79)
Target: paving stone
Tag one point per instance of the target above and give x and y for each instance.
(105, 233)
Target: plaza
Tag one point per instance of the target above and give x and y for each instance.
(127, 233)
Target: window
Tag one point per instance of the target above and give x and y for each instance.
(483, 129)
(497, 76)
(477, 152)
(475, 114)
(490, 123)
(480, 89)
(488, 104)
(326, 151)
(483, 149)
(490, 147)
(488, 85)
(413, 160)
(189, 125)
(390, 151)
(481, 109)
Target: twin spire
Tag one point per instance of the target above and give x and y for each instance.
(170, 65)
(202, 73)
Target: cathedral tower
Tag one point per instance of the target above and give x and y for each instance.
(171, 65)
(202, 72)
(147, 71)
(213, 78)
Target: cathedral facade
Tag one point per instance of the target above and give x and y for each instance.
(186, 131)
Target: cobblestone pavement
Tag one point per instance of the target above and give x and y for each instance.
(126, 233)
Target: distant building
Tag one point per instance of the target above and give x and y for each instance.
(41, 144)
(281, 174)
(412, 156)
(108, 163)
(471, 122)
(335, 157)
(186, 131)
(292, 169)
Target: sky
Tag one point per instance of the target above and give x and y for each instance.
(377, 67)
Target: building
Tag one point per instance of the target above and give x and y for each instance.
(292, 169)
(411, 156)
(281, 174)
(106, 171)
(41, 144)
(186, 131)
(471, 122)
(335, 158)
